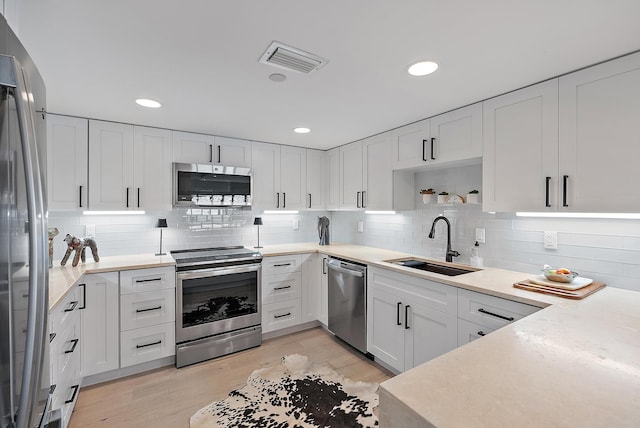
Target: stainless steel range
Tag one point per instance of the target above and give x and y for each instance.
(218, 302)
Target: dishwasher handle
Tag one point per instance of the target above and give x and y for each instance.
(336, 265)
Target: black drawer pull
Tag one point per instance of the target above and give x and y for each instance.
(138, 281)
(481, 333)
(73, 348)
(398, 322)
(84, 296)
(433, 140)
(283, 315)
(406, 317)
(564, 190)
(424, 150)
(282, 288)
(283, 264)
(149, 344)
(496, 315)
(75, 392)
(546, 192)
(80, 198)
(155, 308)
(72, 306)
(51, 337)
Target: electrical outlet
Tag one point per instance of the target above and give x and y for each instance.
(295, 225)
(360, 226)
(90, 231)
(550, 240)
(480, 235)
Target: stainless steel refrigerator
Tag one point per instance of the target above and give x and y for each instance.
(24, 362)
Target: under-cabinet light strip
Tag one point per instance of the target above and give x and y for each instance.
(380, 212)
(113, 212)
(627, 216)
(281, 211)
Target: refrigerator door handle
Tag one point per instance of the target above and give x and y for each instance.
(12, 76)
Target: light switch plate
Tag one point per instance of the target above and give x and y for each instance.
(480, 235)
(361, 226)
(90, 231)
(296, 225)
(550, 240)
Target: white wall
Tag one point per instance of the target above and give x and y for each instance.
(605, 250)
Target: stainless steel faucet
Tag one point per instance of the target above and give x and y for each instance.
(450, 253)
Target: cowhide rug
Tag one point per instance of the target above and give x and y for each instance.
(295, 394)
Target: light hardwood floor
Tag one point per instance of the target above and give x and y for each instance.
(167, 397)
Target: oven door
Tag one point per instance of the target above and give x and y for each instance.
(219, 300)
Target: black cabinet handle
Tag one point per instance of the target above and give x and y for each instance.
(219, 155)
(80, 198)
(481, 333)
(210, 153)
(138, 281)
(282, 264)
(51, 337)
(364, 194)
(138, 197)
(358, 200)
(546, 192)
(309, 200)
(127, 197)
(277, 200)
(72, 306)
(398, 313)
(149, 344)
(433, 140)
(284, 200)
(73, 347)
(496, 315)
(565, 178)
(75, 392)
(324, 266)
(155, 308)
(84, 296)
(406, 317)
(283, 315)
(282, 288)
(424, 150)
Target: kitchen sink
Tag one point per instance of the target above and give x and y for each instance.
(432, 267)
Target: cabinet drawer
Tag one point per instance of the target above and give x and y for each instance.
(147, 309)
(278, 288)
(147, 344)
(140, 280)
(490, 311)
(468, 331)
(281, 264)
(281, 315)
(65, 312)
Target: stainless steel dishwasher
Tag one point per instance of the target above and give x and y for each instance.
(348, 302)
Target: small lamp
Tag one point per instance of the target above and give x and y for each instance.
(258, 222)
(162, 223)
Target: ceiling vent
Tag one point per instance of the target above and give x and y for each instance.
(289, 58)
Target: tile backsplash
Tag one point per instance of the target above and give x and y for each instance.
(605, 250)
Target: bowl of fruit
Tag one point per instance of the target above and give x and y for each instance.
(559, 275)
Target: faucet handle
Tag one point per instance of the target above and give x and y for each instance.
(454, 253)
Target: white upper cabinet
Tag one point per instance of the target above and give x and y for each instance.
(600, 137)
(67, 173)
(190, 147)
(232, 152)
(351, 170)
(279, 176)
(111, 166)
(520, 154)
(449, 137)
(152, 172)
(333, 178)
(316, 180)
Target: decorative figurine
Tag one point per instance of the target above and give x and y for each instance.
(53, 231)
(79, 246)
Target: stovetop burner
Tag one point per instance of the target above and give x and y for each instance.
(217, 255)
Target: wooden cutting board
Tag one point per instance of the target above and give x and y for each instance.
(568, 294)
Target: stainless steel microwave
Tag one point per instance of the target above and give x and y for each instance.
(197, 185)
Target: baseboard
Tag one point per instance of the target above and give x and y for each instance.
(289, 330)
(128, 371)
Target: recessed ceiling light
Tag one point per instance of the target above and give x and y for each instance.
(423, 68)
(301, 130)
(277, 77)
(148, 103)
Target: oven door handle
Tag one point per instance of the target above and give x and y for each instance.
(227, 270)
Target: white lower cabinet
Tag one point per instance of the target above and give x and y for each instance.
(64, 354)
(311, 280)
(490, 311)
(147, 315)
(282, 291)
(469, 331)
(99, 307)
(281, 315)
(409, 320)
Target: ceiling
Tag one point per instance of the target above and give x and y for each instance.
(199, 58)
